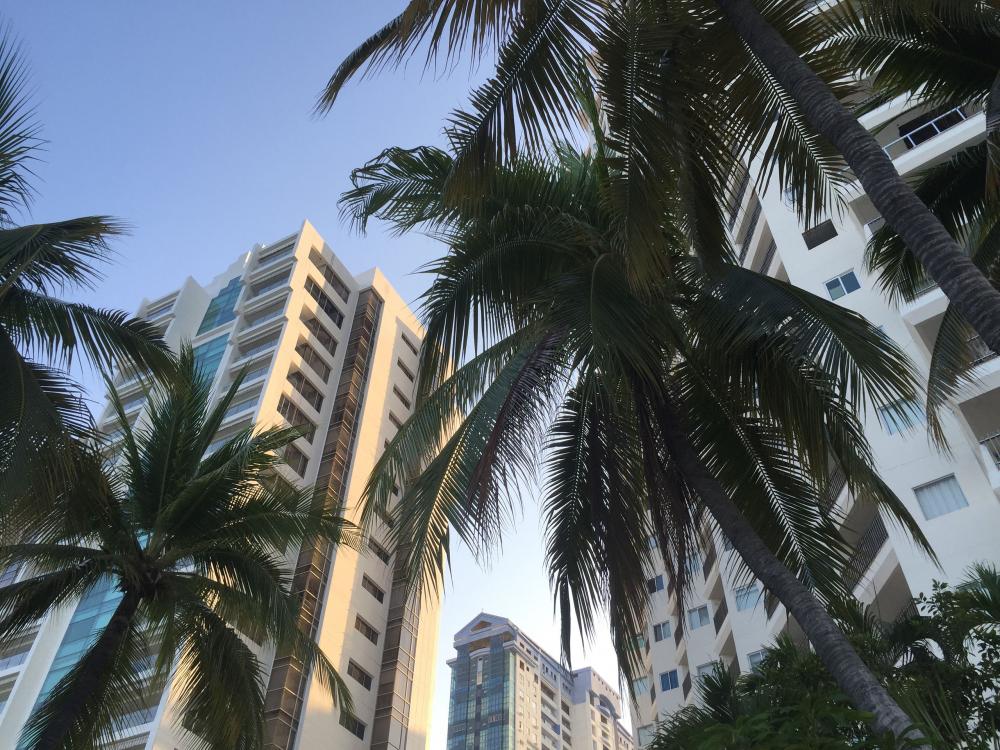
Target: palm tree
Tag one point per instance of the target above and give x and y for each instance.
(195, 542)
(697, 81)
(40, 409)
(946, 64)
(652, 399)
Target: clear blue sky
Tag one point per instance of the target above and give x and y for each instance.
(192, 122)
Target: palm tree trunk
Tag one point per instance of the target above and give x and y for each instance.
(834, 650)
(93, 670)
(964, 284)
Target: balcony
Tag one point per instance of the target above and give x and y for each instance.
(835, 485)
(925, 132)
(991, 446)
(765, 262)
(721, 613)
(865, 552)
(979, 351)
(710, 559)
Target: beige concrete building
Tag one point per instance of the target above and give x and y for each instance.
(336, 353)
(509, 694)
(953, 497)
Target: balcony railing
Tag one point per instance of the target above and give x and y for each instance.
(721, 613)
(992, 446)
(765, 262)
(925, 132)
(979, 350)
(738, 194)
(865, 552)
(834, 486)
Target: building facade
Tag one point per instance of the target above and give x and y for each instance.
(954, 498)
(337, 354)
(509, 694)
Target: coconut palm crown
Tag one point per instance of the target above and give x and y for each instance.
(647, 399)
(195, 543)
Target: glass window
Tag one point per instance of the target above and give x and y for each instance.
(754, 658)
(747, 597)
(842, 285)
(207, 356)
(372, 588)
(705, 669)
(693, 563)
(353, 725)
(654, 584)
(661, 631)
(640, 686)
(901, 415)
(222, 309)
(363, 678)
(698, 617)
(363, 627)
(330, 275)
(940, 497)
(297, 460)
(669, 681)
(380, 552)
(326, 304)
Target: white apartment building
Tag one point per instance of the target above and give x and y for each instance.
(334, 352)
(954, 498)
(509, 694)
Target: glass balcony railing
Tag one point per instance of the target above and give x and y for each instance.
(992, 446)
(927, 131)
(241, 407)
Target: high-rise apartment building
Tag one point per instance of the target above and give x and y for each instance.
(509, 694)
(953, 497)
(336, 353)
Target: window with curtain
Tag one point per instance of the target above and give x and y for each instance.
(940, 497)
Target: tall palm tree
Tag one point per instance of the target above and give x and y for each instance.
(40, 409)
(698, 79)
(195, 542)
(906, 52)
(652, 399)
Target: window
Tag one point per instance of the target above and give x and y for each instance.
(395, 421)
(363, 627)
(270, 284)
(652, 542)
(306, 389)
(372, 588)
(661, 631)
(899, 416)
(315, 362)
(698, 617)
(362, 677)
(410, 345)
(654, 584)
(294, 416)
(401, 396)
(297, 460)
(406, 371)
(669, 681)
(703, 670)
(222, 308)
(207, 356)
(640, 685)
(747, 597)
(342, 290)
(381, 552)
(9, 574)
(272, 255)
(15, 651)
(326, 304)
(322, 335)
(353, 725)
(258, 346)
(754, 658)
(842, 285)
(817, 235)
(6, 688)
(940, 497)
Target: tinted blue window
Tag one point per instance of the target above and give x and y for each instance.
(207, 356)
(222, 308)
(668, 681)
